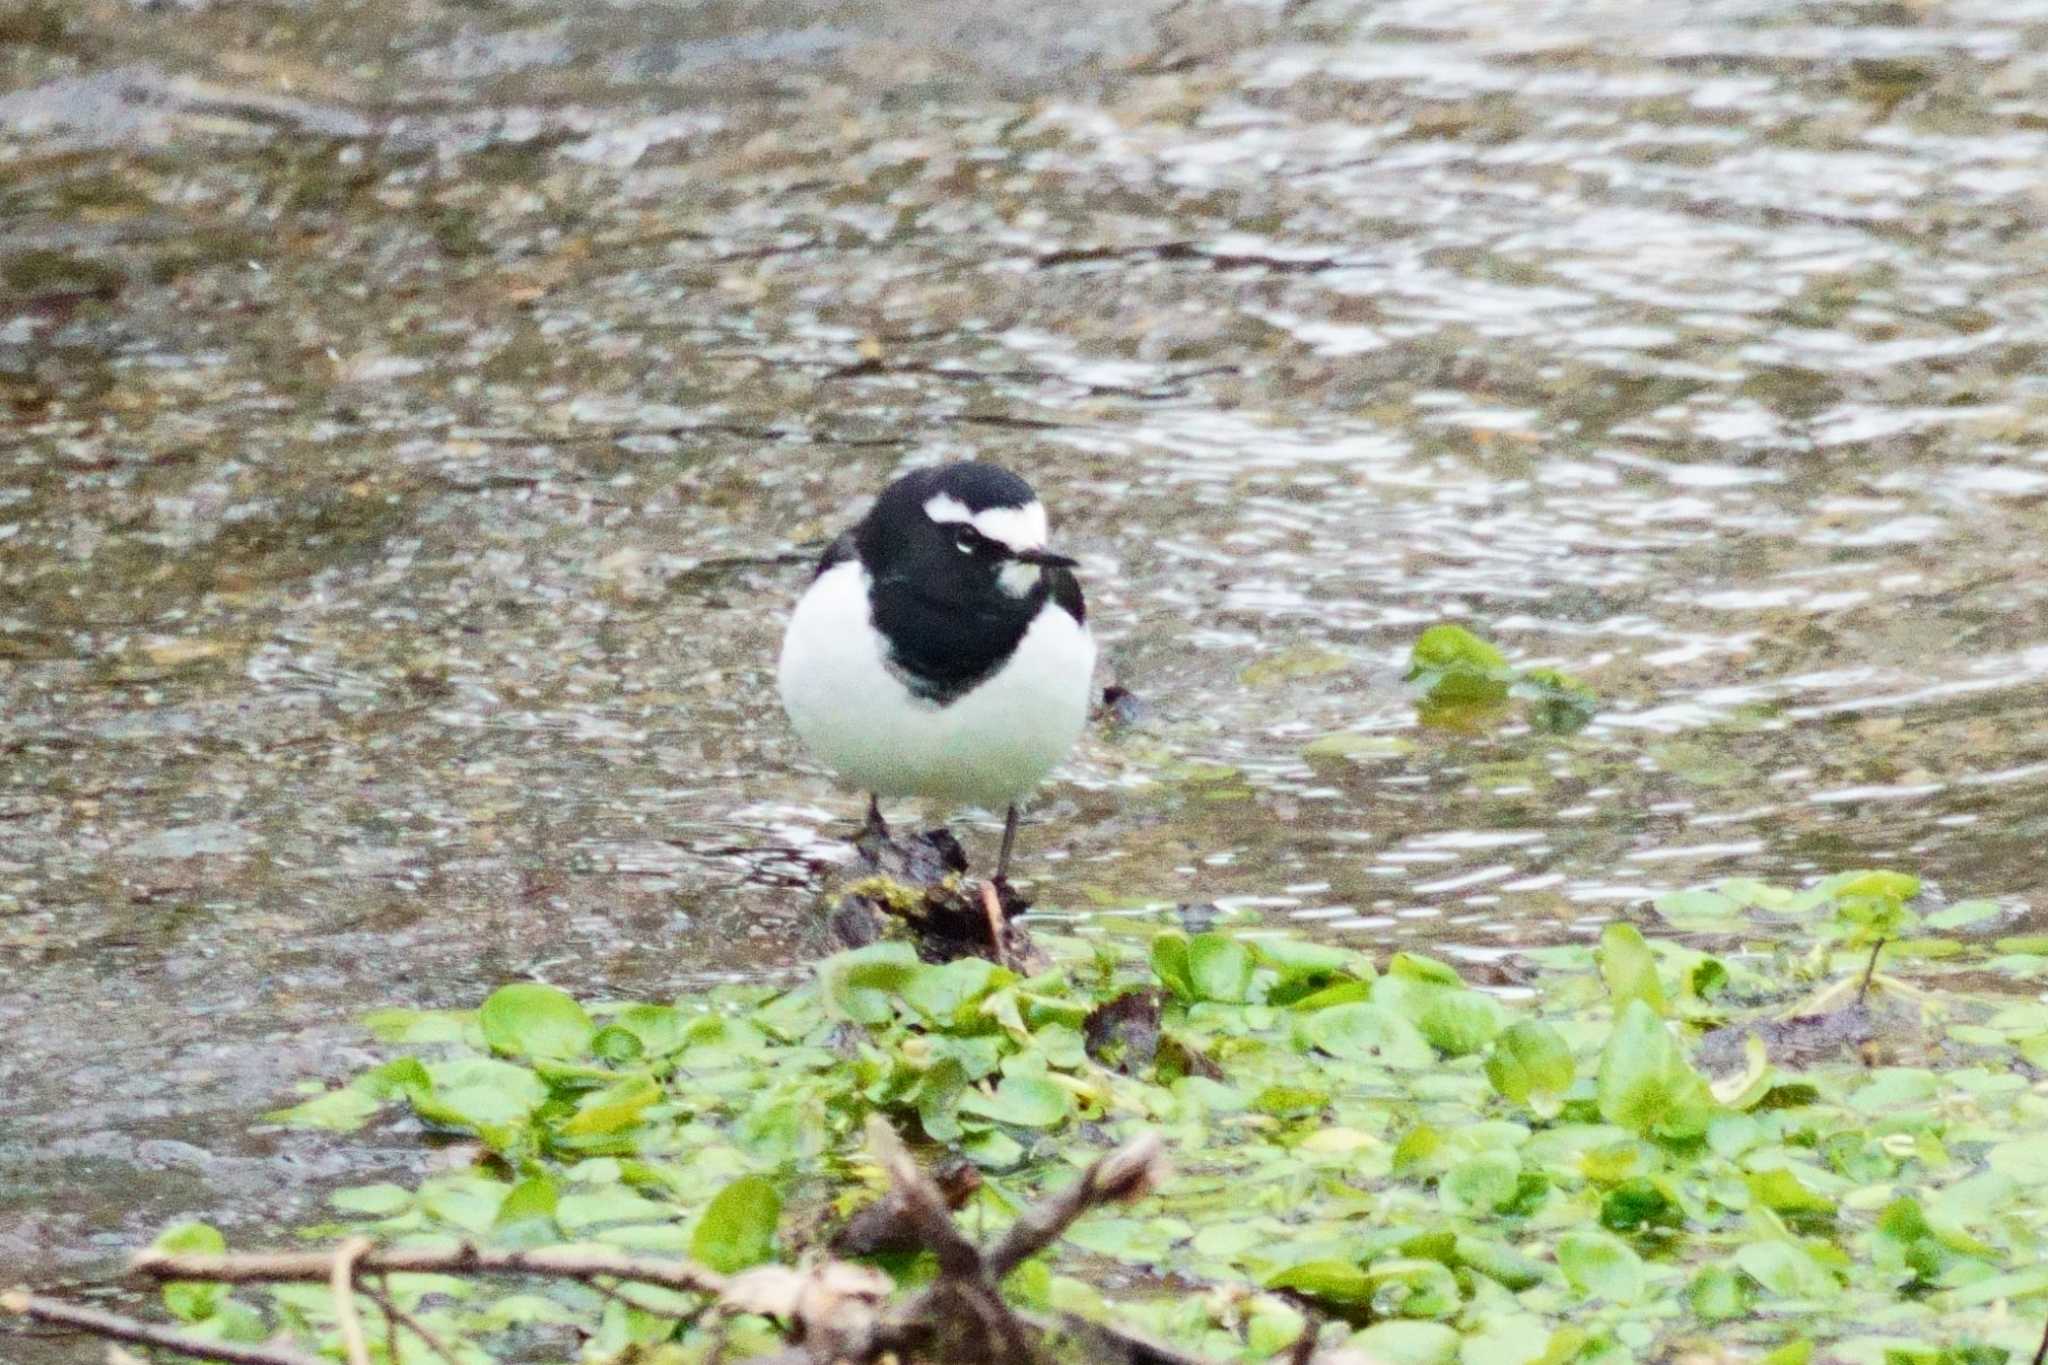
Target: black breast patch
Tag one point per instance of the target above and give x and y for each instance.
(945, 648)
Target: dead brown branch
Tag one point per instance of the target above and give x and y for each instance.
(588, 1264)
(1128, 1172)
(832, 1311)
(114, 1327)
(396, 1317)
(341, 1281)
(992, 906)
(964, 1316)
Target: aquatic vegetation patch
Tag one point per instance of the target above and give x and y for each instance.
(1465, 683)
(1624, 1158)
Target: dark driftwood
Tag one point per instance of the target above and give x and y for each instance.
(920, 883)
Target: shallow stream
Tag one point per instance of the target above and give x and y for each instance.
(413, 418)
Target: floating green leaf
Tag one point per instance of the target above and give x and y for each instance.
(192, 1300)
(339, 1111)
(1409, 1343)
(1448, 655)
(1028, 1101)
(375, 1201)
(616, 1107)
(1645, 1083)
(1601, 1266)
(1366, 1030)
(860, 984)
(1787, 1270)
(1531, 1064)
(1170, 964)
(528, 1019)
(1629, 968)
(1219, 967)
(1559, 704)
(738, 1227)
(1337, 1283)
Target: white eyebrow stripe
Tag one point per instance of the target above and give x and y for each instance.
(1020, 528)
(946, 509)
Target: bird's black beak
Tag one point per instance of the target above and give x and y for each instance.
(1046, 559)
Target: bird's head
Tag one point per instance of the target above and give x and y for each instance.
(959, 530)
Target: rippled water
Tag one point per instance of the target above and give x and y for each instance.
(415, 418)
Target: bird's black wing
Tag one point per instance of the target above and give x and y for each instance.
(837, 553)
(1065, 590)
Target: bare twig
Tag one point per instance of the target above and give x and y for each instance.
(923, 1205)
(1126, 1173)
(620, 1296)
(992, 906)
(588, 1264)
(396, 1317)
(381, 1296)
(342, 1281)
(1110, 1345)
(964, 1309)
(1303, 1352)
(114, 1327)
(2041, 1351)
(1869, 970)
(832, 1311)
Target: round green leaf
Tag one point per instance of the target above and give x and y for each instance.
(1601, 1266)
(1629, 968)
(1787, 1270)
(738, 1227)
(1646, 1084)
(1367, 1030)
(1340, 1283)
(1404, 1342)
(1530, 1059)
(528, 1019)
(1219, 967)
(1029, 1101)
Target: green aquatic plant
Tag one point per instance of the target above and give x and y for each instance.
(1644, 1155)
(1464, 683)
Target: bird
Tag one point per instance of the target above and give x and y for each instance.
(941, 650)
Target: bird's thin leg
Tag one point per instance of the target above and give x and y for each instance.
(875, 825)
(1009, 842)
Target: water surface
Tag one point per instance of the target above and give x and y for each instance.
(415, 417)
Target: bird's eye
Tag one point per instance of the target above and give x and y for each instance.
(967, 540)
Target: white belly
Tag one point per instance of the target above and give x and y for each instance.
(988, 748)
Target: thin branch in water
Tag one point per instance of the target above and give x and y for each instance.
(1126, 1173)
(1303, 1352)
(588, 1264)
(396, 1317)
(620, 1296)
(924, 1207)
(342, 1281)
(1869, 971)
(114, 1327)
(992, 906)
(1110, 1345)
(381, 1296)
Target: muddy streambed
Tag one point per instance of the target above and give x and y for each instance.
(411, 417)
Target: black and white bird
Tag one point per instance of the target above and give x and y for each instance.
(941, 650)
